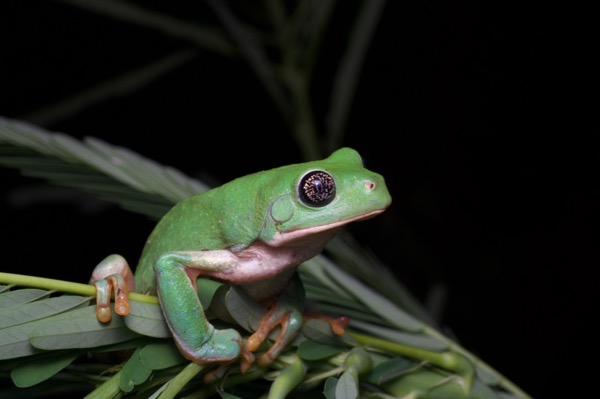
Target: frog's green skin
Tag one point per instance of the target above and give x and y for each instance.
(253, 232)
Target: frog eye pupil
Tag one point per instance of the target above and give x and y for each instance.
(317, 188)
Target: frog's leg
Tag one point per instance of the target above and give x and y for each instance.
(279, 315)
(196, 338)
(286, 313)
(113, 274)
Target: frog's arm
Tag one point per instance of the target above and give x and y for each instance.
(176, 275)
(196, 338)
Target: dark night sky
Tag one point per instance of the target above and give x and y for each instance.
(474, 112)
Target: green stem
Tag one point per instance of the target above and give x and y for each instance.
(110, 389)
(502, 380)
(447, 360)
(180, 380)
(64, 286)
(460, 361)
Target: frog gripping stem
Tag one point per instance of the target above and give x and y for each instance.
(195, 337)
(112, 276)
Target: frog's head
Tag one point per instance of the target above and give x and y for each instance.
(321, 196)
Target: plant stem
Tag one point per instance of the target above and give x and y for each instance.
(64, 286)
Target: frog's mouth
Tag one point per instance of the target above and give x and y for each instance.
(285, 237)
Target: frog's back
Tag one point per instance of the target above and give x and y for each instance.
(221, 218)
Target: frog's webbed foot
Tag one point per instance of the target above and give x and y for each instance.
(112, 275)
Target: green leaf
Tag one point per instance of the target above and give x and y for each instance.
(416, 340)
(319, 331)
(39, 309)
(24, 295)
(378, 304)
(315, 268)
(147, 319)
(29, 373)
(289, 378)
(161, 355)
(245, 310)
(330, 387)
(311, 350)
(226, 395)
(347, 387)
(114, 173)
(482, 391)
(79, 329)
(427, 383)
(390, 369)
(14, 341)
(359, 262)
(486, 376)
(206, 290)
(134, 372)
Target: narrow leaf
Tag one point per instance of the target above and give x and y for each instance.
(134, 372)
(315, 267)
(330, 386)
(114, 173)
(482, 391)
(319, 331)
(225, 395)
(161, 355)
(14, 341)
(79, 329)
(39, 309)
(147, 319)
(29, 373)
(347, 387)
(390, 369)
(418, 340)
(246, 312)
(206, 291)
(20, 296)
(486, 376)
(310, 350)
(378, 304)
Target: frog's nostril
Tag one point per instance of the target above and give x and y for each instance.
(369, 185)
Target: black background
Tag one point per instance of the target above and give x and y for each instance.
(475, 113)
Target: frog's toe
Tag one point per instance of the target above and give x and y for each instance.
(103, 311)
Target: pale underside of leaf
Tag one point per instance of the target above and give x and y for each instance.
(147, 319)
(39, 309)
(79, 328)
(17, 297)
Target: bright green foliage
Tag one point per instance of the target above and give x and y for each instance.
(388, 350)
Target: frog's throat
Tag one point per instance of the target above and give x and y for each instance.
(285, 237)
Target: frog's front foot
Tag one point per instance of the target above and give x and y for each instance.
(223, 346)
(112, 275)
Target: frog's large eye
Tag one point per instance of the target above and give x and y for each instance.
(316, 188)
